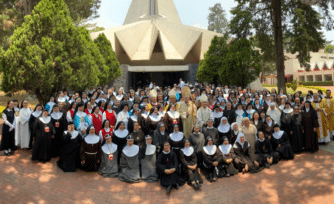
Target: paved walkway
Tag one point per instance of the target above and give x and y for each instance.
(307, 179)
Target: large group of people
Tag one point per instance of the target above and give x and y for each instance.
(172, 134)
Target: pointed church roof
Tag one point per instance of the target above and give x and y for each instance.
(151, 23)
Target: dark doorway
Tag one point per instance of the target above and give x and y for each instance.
(161, 79)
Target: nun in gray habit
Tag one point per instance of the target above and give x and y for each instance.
(148, 161)
(129, 162)
(108, 166)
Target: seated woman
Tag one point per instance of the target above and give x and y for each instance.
(166, 169)
(90, 150)
(281, 144)
(265, 151)
(189, 165)
(129, 162)
(197, 141)
(211, 159)
(176, 140)
(243, 161)
(171, 118)
(148, 161)
(227, 167)
(138, 135)
(108, 166)
(119, 136)
(69, 154)
(160, 137)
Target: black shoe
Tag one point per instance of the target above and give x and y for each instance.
(177, 186)
(10, 153)
(168, 189)
(7, 153)
(267, 166)
(199, 185)
(195, 185)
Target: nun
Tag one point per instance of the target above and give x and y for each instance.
(138, 135)
(123, 115)
(286, 117)
(108, 166)
(268, 127)
(119, 137)
(69, 155)
(80, 119)
(274, 113)
(8, 133)
(197, 142)
(153, 119)
(281, 144)
(59, 122)
(224, 129)
(90, 150)
(133, 118)
(211, 131)
(167, 164)
(265, 151)
(217, 115)
(50, 104)
(240, 114)
(242, 150)
(37, 112)
(228, 158)
(211, 160)
(143, 118)
(176, 140)
(172, 117)
(43, 133)
(148, 161)
(234, 132)
(129, 162)
(189, 168)
(160, 137)
(22, 129)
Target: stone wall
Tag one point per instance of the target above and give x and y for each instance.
(191, 74)
(122, 81)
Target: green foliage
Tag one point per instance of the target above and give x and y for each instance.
(235, 64)
(294, 87)
(241, 65)
(48, 53)
(288, 85)
(213, 59)
(316, 83)
(112, 69)
(329, 49)
(217, 19)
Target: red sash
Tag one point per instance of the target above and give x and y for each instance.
(72, 112)
(111, 117)
(97, 123)
(104, 132)
(87, 111)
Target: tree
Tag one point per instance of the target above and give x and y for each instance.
(289, 23)
(113, 69)
(48, 53)
(241, 64)
(217, 19)
(210, 65)
(329, 49)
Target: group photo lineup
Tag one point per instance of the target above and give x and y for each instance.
(167, 101)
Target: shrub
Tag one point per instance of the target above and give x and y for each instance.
(317, 83)
(288, 85)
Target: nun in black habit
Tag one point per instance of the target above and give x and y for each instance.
(167, 164)
(227, 168)
(265, 151)
(129, 162)
(108, 166)
(43, 132)
(59, 121)
(8, 129)
(160, 137)
(34, 115)
(190, 170)
(69, 155)
(211, 160)
(297, 128)
(148, 161)
(281, 144)
(210, 130)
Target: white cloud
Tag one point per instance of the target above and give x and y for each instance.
(197, 25)
(106, 23)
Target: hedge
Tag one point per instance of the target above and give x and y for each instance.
(317, 83)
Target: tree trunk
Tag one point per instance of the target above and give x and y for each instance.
(278, 33)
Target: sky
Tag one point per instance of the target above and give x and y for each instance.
(192, 13)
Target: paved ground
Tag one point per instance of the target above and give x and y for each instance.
(307, 179)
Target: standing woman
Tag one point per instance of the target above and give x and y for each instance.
(172, 117)
(257, 122)
(90, 150)
(108, 166)
(250, 134)
(153, 119)
(80, 119)
(234, 133)
(59, 122)
(70, 112)
(106, 130)
(50, 104)
(8, 132)
(176, 140)
(37, 112)
(268, 127)
(211, 160)
(148, 159)
(119, 137)
(240, 114)
(133, 119)
(224, 129)
(22, 130)
(129, 162)
(297, 130)
(189, 168)
(88, 108)
(123, 115)
(96, 119)
(160, 137)
(286, 120)
(197, 141)
(69, 155)
(217, 115)
(43, 133)
(143, 117)
(109, 114)
(311, 125)
(281, 143)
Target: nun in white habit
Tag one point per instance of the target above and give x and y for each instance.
(129, 162)
(148, 161)
(22, 133)
(108, 166)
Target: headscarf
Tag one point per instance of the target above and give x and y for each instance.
(223, 128)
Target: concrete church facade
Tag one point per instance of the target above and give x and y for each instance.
(153, 45)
